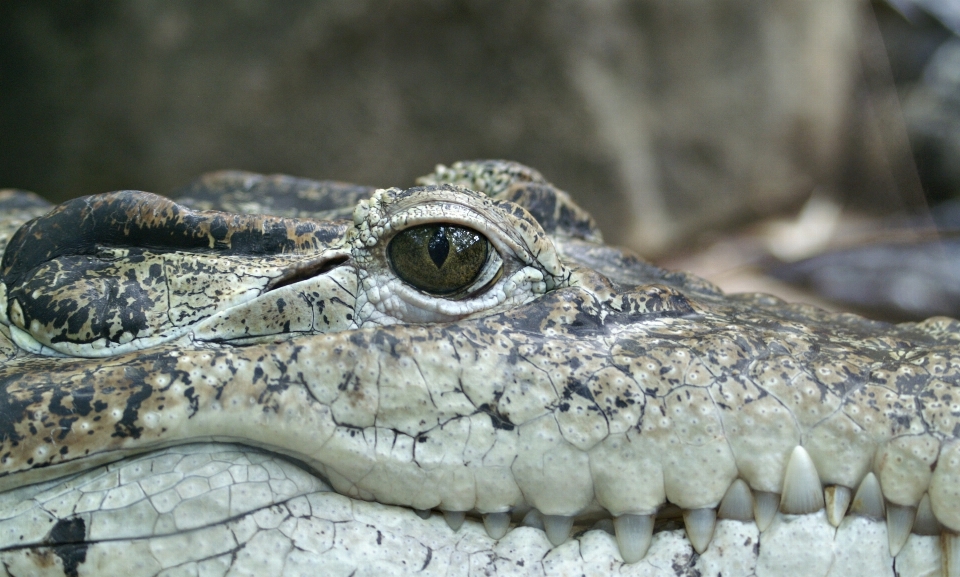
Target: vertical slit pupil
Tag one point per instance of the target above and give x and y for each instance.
(439, 246)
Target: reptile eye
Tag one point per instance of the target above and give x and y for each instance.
(439, 259)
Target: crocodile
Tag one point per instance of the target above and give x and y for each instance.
(278, 376)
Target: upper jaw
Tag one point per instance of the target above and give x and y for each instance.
(367, 404)
(370, 408)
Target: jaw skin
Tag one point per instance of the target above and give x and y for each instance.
(581, 387)
(266, 516)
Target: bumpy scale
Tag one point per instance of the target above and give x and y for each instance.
(267, 389)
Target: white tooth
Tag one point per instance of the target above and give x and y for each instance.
(802, 491)
(737, 504)
(496, 524)
(765, 507)
(899, 522)
(700, 524)
(534, 519)
(869, 500)
(837, 500)
(634, 533)
(557, 528)
(422, 513)
(950, 546)
(454, 519)
(926, 523)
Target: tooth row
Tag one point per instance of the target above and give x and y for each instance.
(802, 494)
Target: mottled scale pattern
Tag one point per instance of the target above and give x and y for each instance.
(240, 192)
(255, 391)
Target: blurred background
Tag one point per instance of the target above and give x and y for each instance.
(679, 124)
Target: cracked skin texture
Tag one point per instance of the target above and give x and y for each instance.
(574, 379)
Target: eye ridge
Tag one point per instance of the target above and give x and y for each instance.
(438, 259)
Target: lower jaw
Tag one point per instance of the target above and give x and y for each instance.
(223, 509)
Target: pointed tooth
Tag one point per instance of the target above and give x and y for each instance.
(634, 534)
(765, 507)
(422, 513)
(899, 522)
(950, 547)
(454, 519)
(557, 528)
(534, 519)
(802, 491)
(700, 524)
(496, 524)
(869, 499)
(926, 523)
(737, 503)
(837, 499)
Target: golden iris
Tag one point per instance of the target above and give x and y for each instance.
(438, 259)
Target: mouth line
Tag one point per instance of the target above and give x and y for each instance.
(298, 494)
(305, 271)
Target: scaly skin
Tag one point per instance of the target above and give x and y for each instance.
(579, 382)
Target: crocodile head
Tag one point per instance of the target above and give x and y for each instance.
(181, 389)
